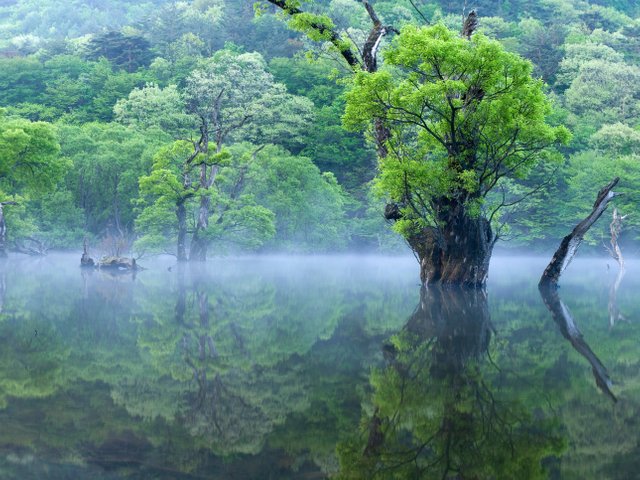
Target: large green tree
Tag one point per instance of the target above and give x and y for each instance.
(29, 164)
(462, 115)
(230, 97)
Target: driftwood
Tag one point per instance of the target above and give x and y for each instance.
(571, 242)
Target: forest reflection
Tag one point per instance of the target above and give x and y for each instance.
(310, 369)
(441, 408)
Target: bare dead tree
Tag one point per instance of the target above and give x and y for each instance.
(569, 245)
(470, 24)
(549, 293)
(615, 228)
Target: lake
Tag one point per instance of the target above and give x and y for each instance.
(317, 367)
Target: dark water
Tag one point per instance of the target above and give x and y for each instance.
(279, 368)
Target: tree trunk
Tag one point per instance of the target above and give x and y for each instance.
(569, 245)
(199, 243)
(458, 253)
(3, 233)
(181, 213)
(3, 229)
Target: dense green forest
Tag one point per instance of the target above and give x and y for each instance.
(219, 125)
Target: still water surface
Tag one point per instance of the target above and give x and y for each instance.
(308, 368)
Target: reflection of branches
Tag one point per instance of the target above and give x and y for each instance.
(435, 415)
(614, 311)
(569, 329)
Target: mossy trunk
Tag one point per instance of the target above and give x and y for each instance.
(458, 253)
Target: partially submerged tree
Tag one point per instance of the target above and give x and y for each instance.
(462, 115)
(451, 116)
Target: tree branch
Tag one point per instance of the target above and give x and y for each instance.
(571, 242)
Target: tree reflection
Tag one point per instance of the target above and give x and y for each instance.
(569, 329)
(442, 409)
(614, 312)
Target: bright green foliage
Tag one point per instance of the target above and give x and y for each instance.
(29, 159)
(616, 139)
(153, 106)
(30, 167)
(65, 86)
(108, 160)
(577, 54)
(463, 115)
(606, 89)
(308, 205)
(236, 217)
(239, 100)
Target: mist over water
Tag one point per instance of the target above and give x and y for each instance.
(286, 367)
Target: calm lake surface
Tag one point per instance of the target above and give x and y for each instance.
(312, 367)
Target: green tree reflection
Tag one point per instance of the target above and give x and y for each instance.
(442, 409)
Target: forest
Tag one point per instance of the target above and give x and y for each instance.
(233, 147)
(214, 126)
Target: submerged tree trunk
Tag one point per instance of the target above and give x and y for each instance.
(571, 242)
(458, 253)
(200, 242)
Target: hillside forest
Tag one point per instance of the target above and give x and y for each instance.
(203, 127)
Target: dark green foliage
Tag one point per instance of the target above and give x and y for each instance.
(128, 52)
(71, 62)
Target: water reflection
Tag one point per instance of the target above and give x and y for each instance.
(259, 368)
(441, 408)
(615, 315)
(569, 329)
